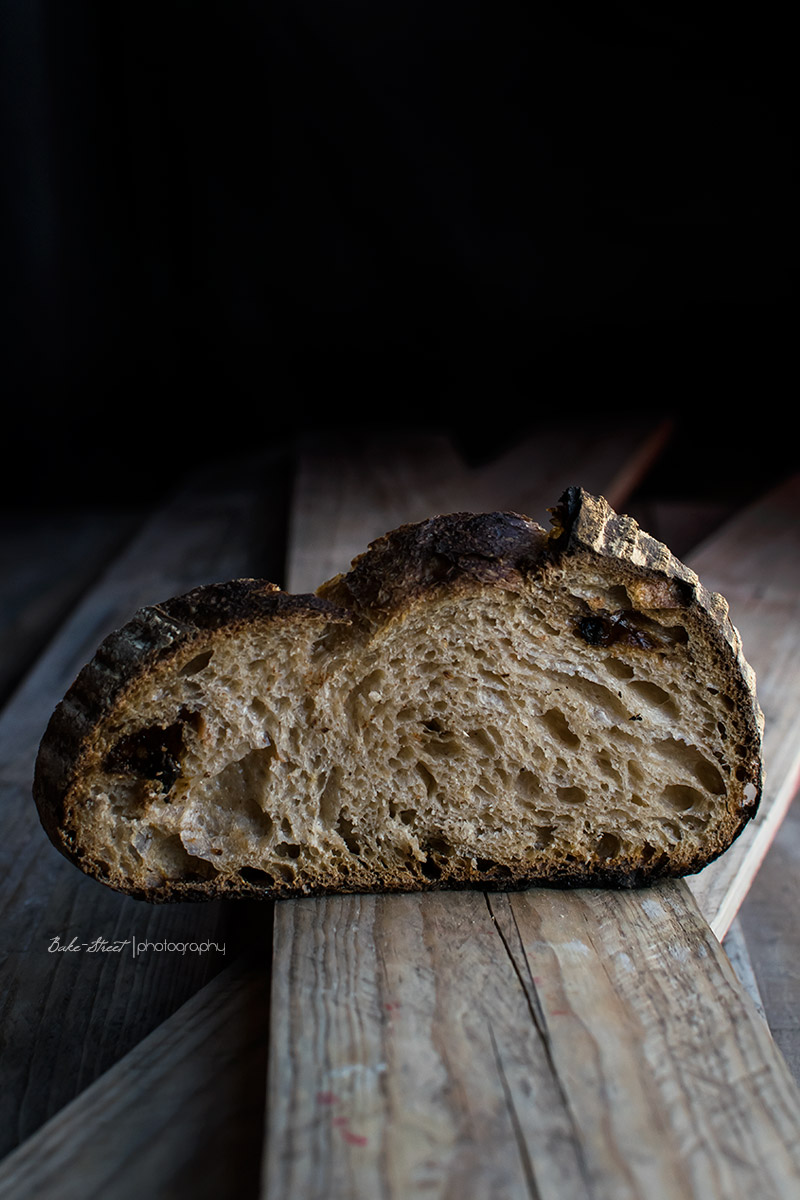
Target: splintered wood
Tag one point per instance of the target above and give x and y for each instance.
(586, 1045)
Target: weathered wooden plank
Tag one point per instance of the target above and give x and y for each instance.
(769, 920)
(754, 561)
(66, 1017)
(737, 949)
(49, 560)
(181, 1115)
(624, 1095)
(541, 1044)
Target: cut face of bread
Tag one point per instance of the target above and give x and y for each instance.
(477, 702)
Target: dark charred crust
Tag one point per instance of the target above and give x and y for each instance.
(219, 605)
(483, 547)
(498, 878)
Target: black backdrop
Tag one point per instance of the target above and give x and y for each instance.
(222, 222)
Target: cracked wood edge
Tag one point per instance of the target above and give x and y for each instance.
(547, 1045)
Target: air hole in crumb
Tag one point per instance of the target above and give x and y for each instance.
(654, 695)
(197, 664)
(257, 876)
(671, 830)
(487, 866)
(287, 850)
(528, 785)
(346, 830)
(709, 776)
(329, 797)
(558, 725)
(482, 741)
(618, 595)
(681, 798)
(609, 846)
(571, 795)
(427, 778)
(440, 845)
(432, 725)
(437, 849)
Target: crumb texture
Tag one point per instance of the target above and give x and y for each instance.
(571, 720)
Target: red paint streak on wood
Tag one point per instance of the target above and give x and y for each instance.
(355, 1139)
(327, 1098)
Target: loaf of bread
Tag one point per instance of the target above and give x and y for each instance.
(478, 701)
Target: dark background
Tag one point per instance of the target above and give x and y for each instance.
(224, 222)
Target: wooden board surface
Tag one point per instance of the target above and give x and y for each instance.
(386, 1073)
(85, 1037)
(540, 1044)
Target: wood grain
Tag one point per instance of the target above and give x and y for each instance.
(540, 1044)
(179, 1116)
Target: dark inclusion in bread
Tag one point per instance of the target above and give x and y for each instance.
(479, 701)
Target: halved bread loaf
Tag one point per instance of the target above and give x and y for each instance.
(477, 702)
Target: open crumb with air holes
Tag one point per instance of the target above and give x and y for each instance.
(479, 701)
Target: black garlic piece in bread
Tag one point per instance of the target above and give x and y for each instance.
(478, 701)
